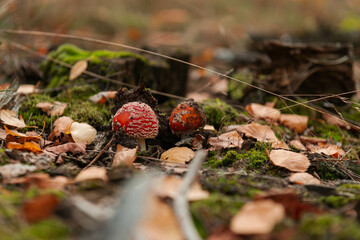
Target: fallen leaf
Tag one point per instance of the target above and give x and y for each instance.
(68, 147)
(263, 112)
(280, 144)
(4, 86)
(178, 154)
(15, 170)
(9, 118)
(41, 180)
(294, 122)
(77, 69)
(333, 120)
(313, 140)
(29, 146)
(124, 155)
(61, 125)
(297, 144)
(103, 97)
(257, 217)
(92, 173)
(82, 132)
(328, 149)
(158, 221)
(197, 142)
(292, 161)
(40, 207)
(227, 140)
(26, 89)
(54, 109)
(289, 199)
(303, 179)
(169, 186)
(262, 133)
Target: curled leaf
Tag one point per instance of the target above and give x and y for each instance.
(103, 97)
(92, 173)
(124, 155)
(304, 179)
(262, 133)
(263, 112)
(82, 132)
(8, 117)
(77, 69)
(295, 122)
(52, 109)
(227, 140)
(293, 161)
(178, 154)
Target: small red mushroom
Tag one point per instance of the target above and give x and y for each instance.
(137, 120)
(187, 117)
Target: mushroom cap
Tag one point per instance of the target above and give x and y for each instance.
(137, 119)
(187, 116)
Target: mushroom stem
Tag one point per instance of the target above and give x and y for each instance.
(142, 144)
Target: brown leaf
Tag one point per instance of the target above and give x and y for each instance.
(333, 120)
(227, 140)
(303, 179)
(41, 180)
(293, 161)
(103, 97)
(294, 122)
(314, 140)
(328, 149)
(159, 221)
(294, 207)
(257, 217)
(169, 185)
(61, 125)
(178, 154)
(297, 144)
(26, 89)
(124, 155)
(77, 69)
(29, 146)
(197, 142)
(280, 144)
(40, 207)
(262, 133)
(68, 147)
(9, 118)
(54, 109)
(263, 112)
(92, 173)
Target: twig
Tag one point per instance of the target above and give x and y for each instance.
(181, 205)
(100, 153)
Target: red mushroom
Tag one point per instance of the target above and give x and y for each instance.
(187, 117)
(138, 120)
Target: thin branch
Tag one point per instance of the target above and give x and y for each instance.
(100, 153)
(181, 205)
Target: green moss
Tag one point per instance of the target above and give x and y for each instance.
(227, 160)
(219, 113)
(215, 211)
(78, 92)
(335, 201)
(58, 75)
(350, 186)
(329, 227)
(32, 115)
(256, 157)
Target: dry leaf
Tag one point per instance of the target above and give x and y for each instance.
(4, 86)
(55, 109)
(294, 207)
(61, 125)
(169, 186)
(103, 97)
(262, 133)
(330, 119)
(197, 142)
(158, 221)
(40, 207)
(293, 161)
(68, 147)
(328, 149)
(26, 89)
(124, 155)
(15, 170)
(294, 122)
(257, 217)
(178, 154)
(77, 69)
(29, 146)
(297, 144)
(314, 140)
(9, 118)
(263, 112)
(41, 180)
(280, 144)
(92, 173)
(227, 140)
(82, 132)
(303, 179)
